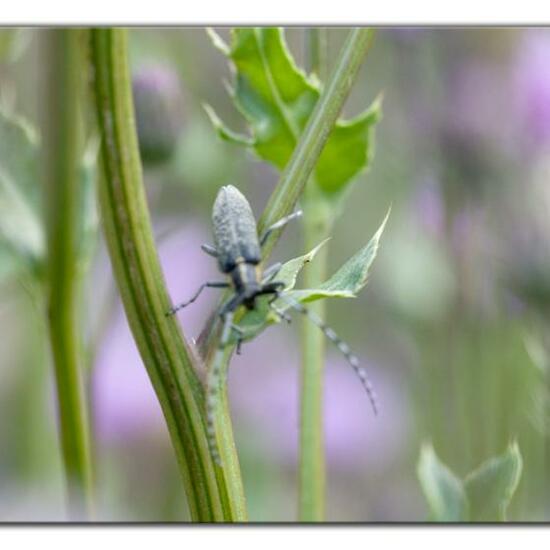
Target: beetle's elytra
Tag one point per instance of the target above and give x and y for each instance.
(235, 232)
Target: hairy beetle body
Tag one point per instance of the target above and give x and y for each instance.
(235, 233)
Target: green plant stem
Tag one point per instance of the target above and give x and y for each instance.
(213, 494)
(312, 475)
(305, 155)
(317, 51)
(62, 157)
(317, 222)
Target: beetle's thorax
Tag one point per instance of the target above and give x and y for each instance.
(246, 279)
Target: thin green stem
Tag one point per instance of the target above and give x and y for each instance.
(62, 157)
(317, 223)
(312, 474)
(317, 51)
(302, 162)
(213, 494)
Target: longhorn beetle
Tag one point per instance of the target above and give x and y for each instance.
(237, 248)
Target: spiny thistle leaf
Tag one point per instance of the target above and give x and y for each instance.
(22, 233)
(277, 98)
(21, 230)
(290, 270)
(443, 490)
(352, 276)
(345, 283)
(484, 495)
(490, 487)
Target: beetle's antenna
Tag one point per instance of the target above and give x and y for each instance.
(342, 346)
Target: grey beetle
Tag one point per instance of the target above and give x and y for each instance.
(237, 247)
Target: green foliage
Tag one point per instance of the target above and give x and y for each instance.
(290, 270)
(22, 230)
(490, 487)
(345, 283)
(277, 98)
(443, 490)
(88, 219)
(352, 276)
(484, 495)
(12, 44)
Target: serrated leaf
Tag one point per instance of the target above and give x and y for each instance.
(21, 228)
(490, 487)
(345, 283)
(217, 40)
(443, 490)
(256, 320)
(349, 150)
(290, 270)
(352, 276)
(223, 131)
(310, 295)
(277, 98)
(22, 232)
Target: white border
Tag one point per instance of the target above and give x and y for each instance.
(252, 538)
(287, 12)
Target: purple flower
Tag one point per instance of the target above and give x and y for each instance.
(478, 117)
(158, 101)
(428, 206)
(532, 84)
(264, 392)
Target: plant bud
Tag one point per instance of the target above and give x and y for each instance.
(158, 101)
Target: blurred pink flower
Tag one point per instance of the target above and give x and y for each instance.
(264, 391)
(428, 206)
(532, 84)
(476, 100)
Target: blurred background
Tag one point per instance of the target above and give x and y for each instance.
(454, 325)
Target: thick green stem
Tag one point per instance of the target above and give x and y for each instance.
(62, 157)
(213, 494)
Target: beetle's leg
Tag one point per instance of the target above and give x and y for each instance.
(240, 333)
(197, 294)
(342, 346)
(284, 316)
(275, 289)
(277, 225)
(231, 305)
(210, 250)
(270, 272)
